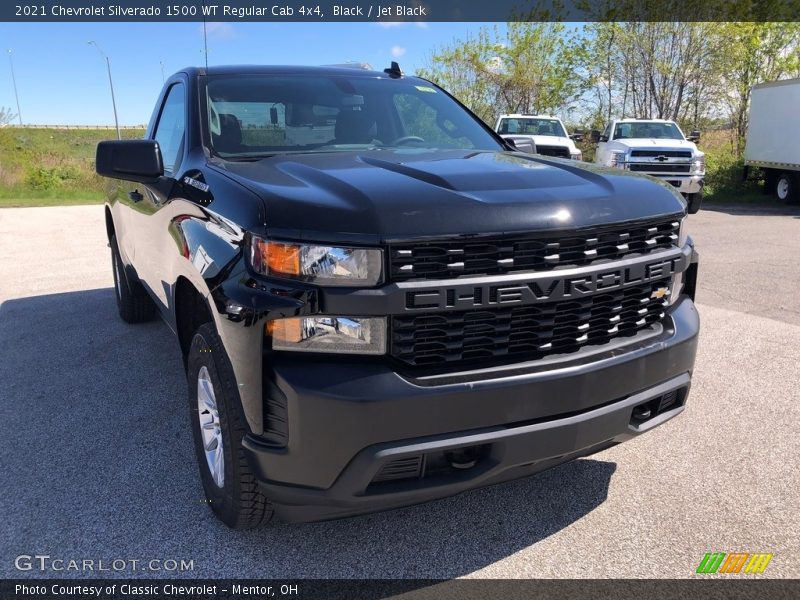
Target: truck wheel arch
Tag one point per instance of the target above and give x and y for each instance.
(191, 311)
(109, 223)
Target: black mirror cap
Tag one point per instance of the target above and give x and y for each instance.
(510, 143)
(694, 136)
(132, 160)
(596, 135)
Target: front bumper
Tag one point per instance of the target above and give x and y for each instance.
(351, 422)
(685, 185)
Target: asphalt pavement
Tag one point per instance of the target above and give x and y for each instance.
(97, 461)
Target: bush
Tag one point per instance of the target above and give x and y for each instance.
(50, 178)
(724, 170)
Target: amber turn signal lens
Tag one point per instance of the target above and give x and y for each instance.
(283, 258)
(285, 330)
(275, 257)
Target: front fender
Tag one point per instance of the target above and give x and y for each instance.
(210, 255)
(242, 306)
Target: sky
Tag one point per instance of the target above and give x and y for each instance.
(62, 80)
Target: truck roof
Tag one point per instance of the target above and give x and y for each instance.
(777, 83)
(637, 120)
(352, 71)
(522, 115)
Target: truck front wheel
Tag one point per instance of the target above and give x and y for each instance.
(133, 302)
(693, 202)
(786, 187)
(219, 428)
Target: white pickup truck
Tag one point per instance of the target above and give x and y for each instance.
(655, 147)
(538, 133)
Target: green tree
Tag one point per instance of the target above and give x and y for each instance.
(461, 69)
(527, 68)
(649, 70)
(754, 53)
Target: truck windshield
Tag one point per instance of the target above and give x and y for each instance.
(647, 129)
(531, 126)
(258, 115)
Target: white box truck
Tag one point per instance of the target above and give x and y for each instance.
(773, 137)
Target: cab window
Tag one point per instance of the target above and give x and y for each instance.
(171, 128)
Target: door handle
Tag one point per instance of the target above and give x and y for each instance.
(135, 196)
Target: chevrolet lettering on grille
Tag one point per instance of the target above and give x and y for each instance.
(544, 288)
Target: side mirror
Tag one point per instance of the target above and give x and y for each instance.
(694, 136)
(577, 136)
(520, 143)
(133, 160)
(596, 135)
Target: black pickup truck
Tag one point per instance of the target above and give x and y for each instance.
(381, 302)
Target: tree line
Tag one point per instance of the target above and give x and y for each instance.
(697, 73)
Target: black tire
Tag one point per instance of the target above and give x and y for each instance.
(693, 202)
(133, 301)
(238, 502)
(786, 188)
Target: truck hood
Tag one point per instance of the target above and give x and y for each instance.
(658, 143)
(406, 194)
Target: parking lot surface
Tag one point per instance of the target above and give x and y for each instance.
(97, 460)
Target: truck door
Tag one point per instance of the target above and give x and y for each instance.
(150, 220)
(601, 155)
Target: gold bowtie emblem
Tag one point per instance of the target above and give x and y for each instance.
(660, 293)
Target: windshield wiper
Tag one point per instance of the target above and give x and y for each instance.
(249, 157)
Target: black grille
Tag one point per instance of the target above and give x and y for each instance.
(401, 468)
(660, 167)
(559, 151)
(529, 252)
(526, 332)
(669, 153)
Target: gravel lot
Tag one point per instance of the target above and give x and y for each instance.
(97, 460)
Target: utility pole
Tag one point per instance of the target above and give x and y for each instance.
(14, 81)
(110, 84)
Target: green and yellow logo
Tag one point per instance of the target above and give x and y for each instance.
(736, 562)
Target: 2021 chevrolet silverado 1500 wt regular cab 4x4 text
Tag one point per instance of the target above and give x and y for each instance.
(378, 302)
(658, 148)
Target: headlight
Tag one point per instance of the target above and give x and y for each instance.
(617, 160)
(340, 335)
(676, 287)
(576, 155)
(683, 234)
(699, 165)
(322, 265)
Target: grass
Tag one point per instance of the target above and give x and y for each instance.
(746, 195)
(64, 200)
(50, 167)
